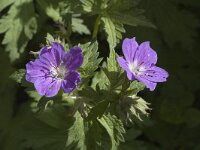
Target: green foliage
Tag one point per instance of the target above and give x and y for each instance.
(78, 26)
(18, 75)
(49, 130)
(5, 3)
(133, 108)
(8, 92)
(127, 12)
(114, 14)
(92, 6)
(19, 26)
(176, 26)
(61, 12)
(113, 30)
(106, 111)
(77, 137)
(138, 107)
(91, 60)
(51, 9)
(114, 128)
(89, 113)
(94, 137)
(112, 71)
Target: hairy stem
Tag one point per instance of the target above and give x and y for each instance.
(96, 27)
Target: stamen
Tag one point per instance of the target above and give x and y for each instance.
(59, 72)
(135, 68)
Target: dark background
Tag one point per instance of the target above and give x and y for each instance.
(174, 122)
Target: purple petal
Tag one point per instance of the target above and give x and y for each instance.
(53, 88)
(43, 50)
(35, 69)
(74, 58)
(58, 51)
(145, 55)
(149, 84)
(124, 65)
(41, 85)
(129, 47)
(47, 86)
(54, 54)
(70, 82)
(48, 58)
(155, 74)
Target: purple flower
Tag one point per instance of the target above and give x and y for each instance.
(139, 63)
(55, 69)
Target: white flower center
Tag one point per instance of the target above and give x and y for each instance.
(59, 72)
(135, 68)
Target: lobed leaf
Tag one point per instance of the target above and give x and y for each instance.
(91, 60)
(18, 75)
(114, 128)
(114, 30)
(5, 3)
(78, 26)
(18, 27)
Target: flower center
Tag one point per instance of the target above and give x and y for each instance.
(135, 68)
(59, 72)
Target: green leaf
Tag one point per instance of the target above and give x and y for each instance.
(87, 5)
(132, 108)
(92, 6)
(54, 116)
(5, 3)
(91, 60)
(76, 134)
(112, 64)
(54, 129)
(78, 26)
(52, 9)
(127, 12)
(18, 75)
(131, 20)
(50, 38)
(136, 85)
(19, 25)
(131, 88)
(98, 110)
(113, 72)
(31, 91)
(113, 28)
(99, 80)
(94, 136)
(8, 93)
(177, 26)
(114, 128)
(139, 107)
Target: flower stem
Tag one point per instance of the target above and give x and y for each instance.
(69, 32)
(96, 27)
(65, 32)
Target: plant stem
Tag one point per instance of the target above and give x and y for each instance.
(69, 32)
(96, 27)
(66, 32)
